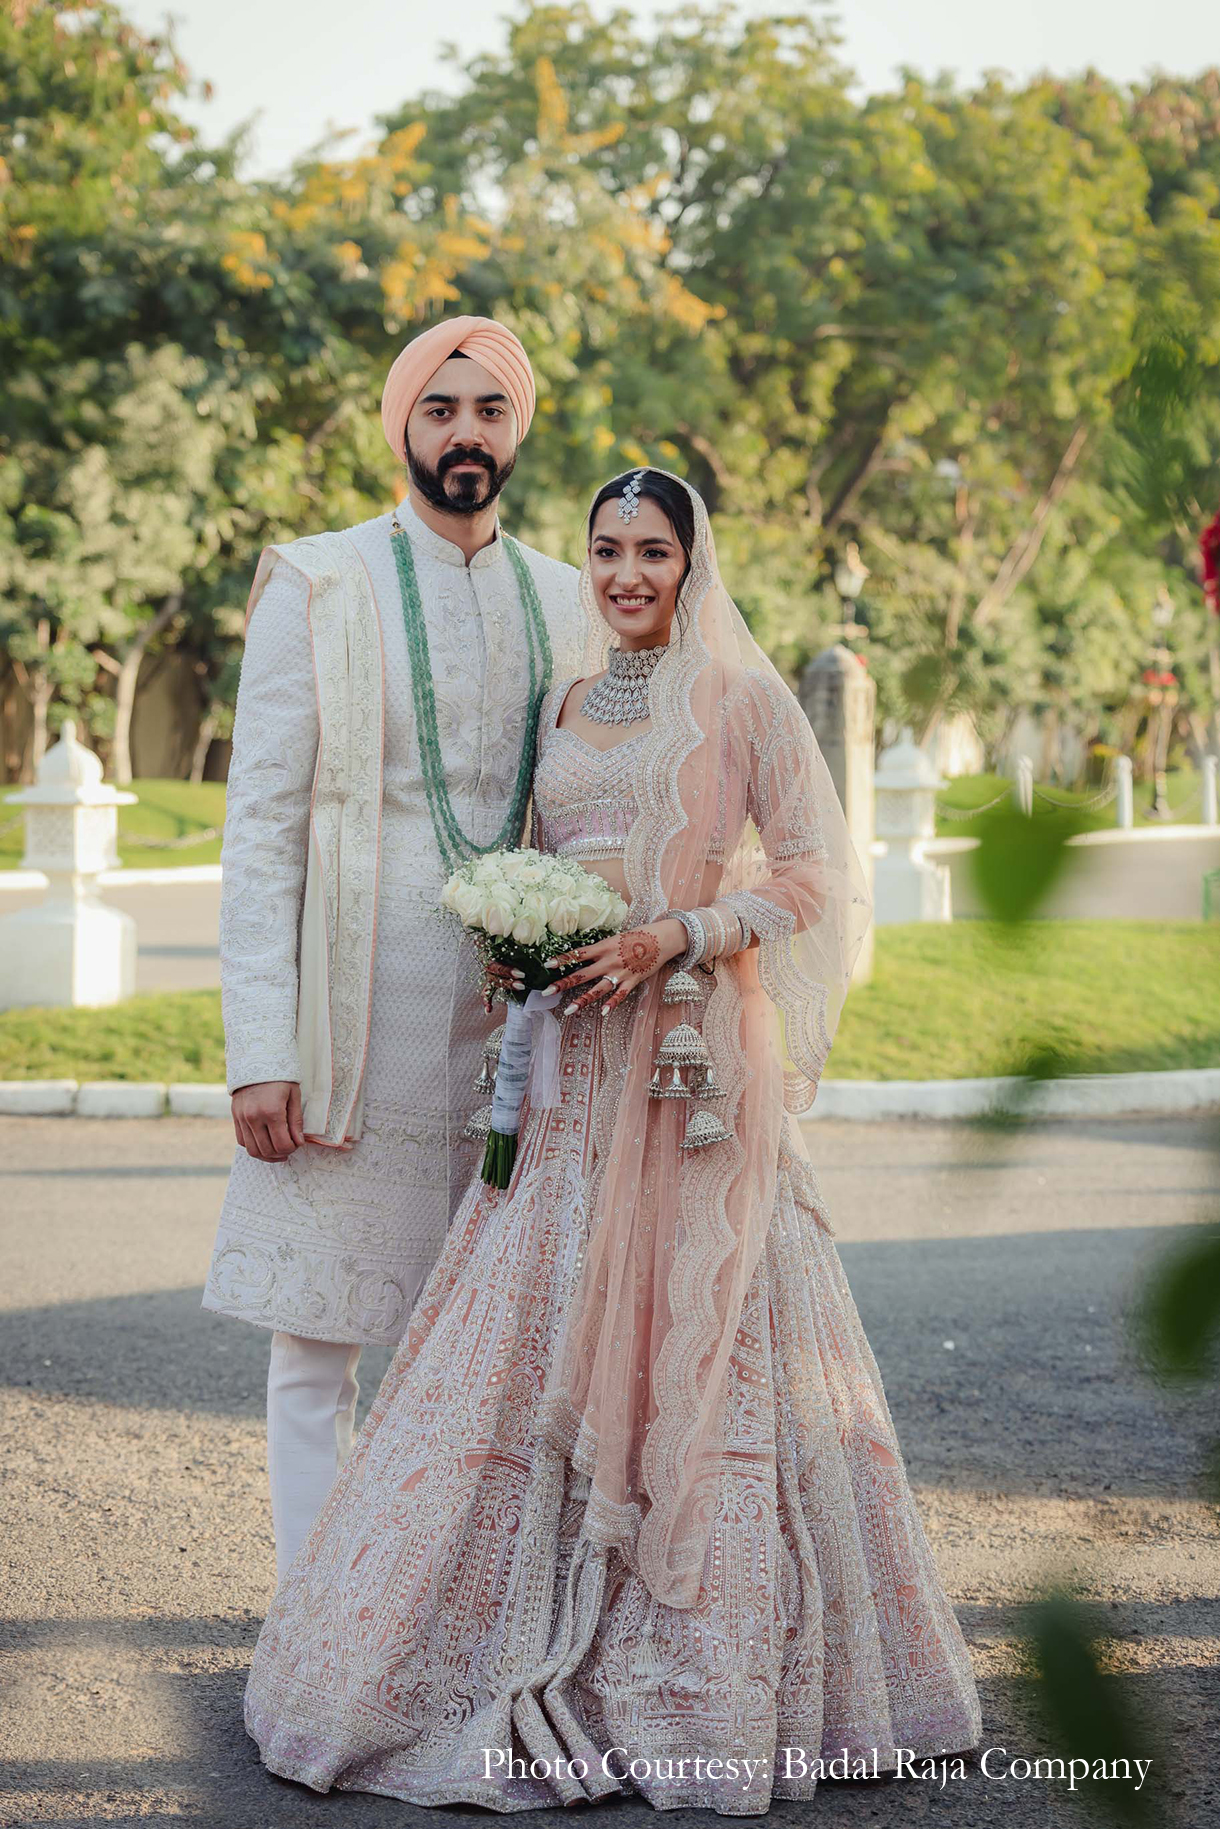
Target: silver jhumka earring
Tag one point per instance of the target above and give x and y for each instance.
(478, 1124)
(683, 1068)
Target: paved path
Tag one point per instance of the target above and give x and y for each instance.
(136, 1518)
(176, 931)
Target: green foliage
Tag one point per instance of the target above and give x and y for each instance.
(1180, 1309)
(1018, 859)
(929, 308)
(973, 331)
(498, 1159)
(966, 791)
(1089, 1714)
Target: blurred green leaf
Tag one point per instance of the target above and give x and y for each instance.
(1088, 1714)
(1179, 1317)
(1019, 858)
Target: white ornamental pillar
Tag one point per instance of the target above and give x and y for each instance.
(70, 948)
(1025, 785)
(838, 697)
(1211, 800)
(909, 885)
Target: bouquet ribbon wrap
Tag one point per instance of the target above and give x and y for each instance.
(529, 1057)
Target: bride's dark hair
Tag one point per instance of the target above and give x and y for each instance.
(669, 496)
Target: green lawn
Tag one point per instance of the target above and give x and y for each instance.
(945, 1002)
(964, 791)
(964, 999)
(167, 1035)
(166, 809)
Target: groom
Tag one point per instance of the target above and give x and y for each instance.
(384, 729)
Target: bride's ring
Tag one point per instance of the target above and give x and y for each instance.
(610, 979)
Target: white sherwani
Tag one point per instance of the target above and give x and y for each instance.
(334, 1243)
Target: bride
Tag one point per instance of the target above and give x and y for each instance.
(629, 1513)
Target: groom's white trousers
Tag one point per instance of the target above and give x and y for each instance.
(311, 1414)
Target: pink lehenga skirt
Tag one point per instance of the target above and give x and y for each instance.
(447, 1634)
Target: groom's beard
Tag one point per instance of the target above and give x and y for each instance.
(464, 494)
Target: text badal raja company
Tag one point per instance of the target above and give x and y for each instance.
(794, 1762)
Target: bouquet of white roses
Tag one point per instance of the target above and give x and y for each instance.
(523, 907)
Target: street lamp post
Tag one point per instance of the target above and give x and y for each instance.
(850, 577)
(1161, 687)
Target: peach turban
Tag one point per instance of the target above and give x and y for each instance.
(483, 340)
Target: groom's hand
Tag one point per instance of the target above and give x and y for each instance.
(267, 1119)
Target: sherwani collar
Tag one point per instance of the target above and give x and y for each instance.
(426, 539)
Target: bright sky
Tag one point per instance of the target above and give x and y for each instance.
(305, 65)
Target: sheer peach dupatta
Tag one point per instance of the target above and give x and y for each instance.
(734, 800)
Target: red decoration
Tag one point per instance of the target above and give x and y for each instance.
(1209, 550)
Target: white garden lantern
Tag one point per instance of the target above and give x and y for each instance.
(909, 885)
(70, 948)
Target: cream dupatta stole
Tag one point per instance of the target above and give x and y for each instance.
(735, 800)
(338, 917)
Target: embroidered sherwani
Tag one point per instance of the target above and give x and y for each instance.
(335, 1242)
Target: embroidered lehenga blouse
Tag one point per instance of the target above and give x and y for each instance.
(584, 796)
(449, 1634)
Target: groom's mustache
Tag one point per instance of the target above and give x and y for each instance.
(466, 457)
(432, 483)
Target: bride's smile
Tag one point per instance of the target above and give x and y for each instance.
(636, 569)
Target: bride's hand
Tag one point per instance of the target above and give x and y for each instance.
(503, 977)
(629, 958)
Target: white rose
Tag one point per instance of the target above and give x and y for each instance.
(468, 903)
(449, 893)
(512, 863)
(500, 911)
(594, 906)
(530, 924)
(564, 913)
(614, 911)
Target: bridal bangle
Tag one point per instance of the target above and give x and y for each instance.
(696, 938)
(710, 934)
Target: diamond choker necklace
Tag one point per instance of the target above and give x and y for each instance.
(621, 695)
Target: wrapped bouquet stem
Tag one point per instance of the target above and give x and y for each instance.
(523, 907)
(529, 1061)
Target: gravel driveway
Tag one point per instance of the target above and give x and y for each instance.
(992, 1279)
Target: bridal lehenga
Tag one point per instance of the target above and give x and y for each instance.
(589, 1543)
(446, 1610)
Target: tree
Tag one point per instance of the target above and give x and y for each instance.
(974, 332)
(178, 347)
(925, 314)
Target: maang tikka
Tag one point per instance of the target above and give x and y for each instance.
(629, 501)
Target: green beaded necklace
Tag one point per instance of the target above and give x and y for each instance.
(454, 845)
